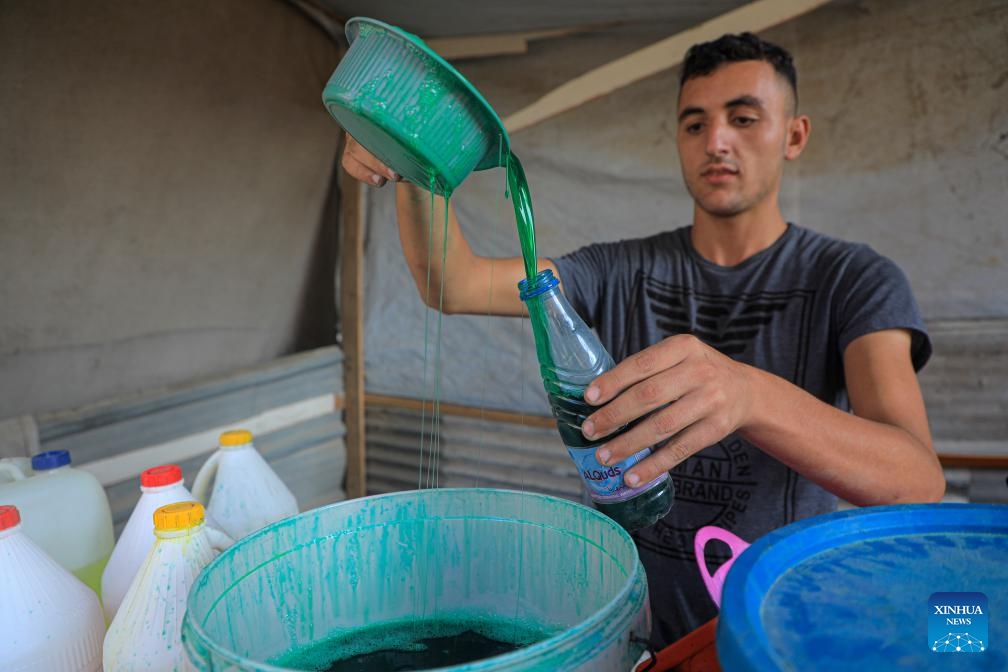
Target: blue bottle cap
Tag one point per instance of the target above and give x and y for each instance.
(52, 459)
(544, 281)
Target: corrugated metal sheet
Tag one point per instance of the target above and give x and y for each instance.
(472, 453)
(965, 384)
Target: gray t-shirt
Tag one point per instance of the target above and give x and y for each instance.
(792, 309)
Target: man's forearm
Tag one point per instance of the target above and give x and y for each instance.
(422, 231)
(865, 462)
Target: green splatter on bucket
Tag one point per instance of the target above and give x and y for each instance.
(445, 554)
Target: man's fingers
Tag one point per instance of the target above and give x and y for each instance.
(637, 367)
(691, 440)
(364, 166)
(359, 171)
(639, 400)
(664, 424)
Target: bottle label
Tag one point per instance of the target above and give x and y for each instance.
(605, 483)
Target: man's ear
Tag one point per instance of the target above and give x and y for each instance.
(798, 134)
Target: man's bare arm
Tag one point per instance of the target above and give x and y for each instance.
(879, 454)
(450, 278)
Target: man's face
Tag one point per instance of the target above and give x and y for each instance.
(733, 136)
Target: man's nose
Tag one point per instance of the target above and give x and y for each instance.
(717, 139)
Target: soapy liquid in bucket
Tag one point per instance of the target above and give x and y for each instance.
(403, 646)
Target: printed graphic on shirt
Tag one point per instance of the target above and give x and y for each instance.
(720, 484)
(714, 322)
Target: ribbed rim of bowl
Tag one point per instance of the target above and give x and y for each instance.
(353, 27)
(575, 633)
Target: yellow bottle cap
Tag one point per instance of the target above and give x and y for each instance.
(236, 437)
(178, 516)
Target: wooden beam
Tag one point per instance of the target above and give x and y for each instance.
(352, 318)
(651, 60)
(499, 44)
(973, 461)
(388, 401)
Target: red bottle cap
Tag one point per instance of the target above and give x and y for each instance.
(9, 516)
(166, 474)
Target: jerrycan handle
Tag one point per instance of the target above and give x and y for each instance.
(13, 470)
(201, 485)
(219, 540)
(715, 582)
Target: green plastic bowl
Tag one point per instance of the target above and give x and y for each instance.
(411, 109)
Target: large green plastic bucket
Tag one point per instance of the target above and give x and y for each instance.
(427, 554)
(412, 109)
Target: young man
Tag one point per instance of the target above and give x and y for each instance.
(774, 367)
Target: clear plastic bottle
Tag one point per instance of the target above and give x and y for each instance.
(49, 620)
(146, 633)
(158, 486)
(570, 357)
(247, 495)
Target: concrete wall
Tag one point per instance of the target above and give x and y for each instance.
(163, 176)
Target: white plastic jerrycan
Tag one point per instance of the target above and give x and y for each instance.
(65, 511)
(247, 495)
(146, 633)
(158, 486)
(49, 620)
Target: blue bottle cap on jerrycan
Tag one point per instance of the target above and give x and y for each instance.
(879, 588)
(411, 109)
(52, 459)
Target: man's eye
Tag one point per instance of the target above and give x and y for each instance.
(694, 128)
(744, 121)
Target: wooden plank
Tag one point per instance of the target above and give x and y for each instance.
(498, 44)
(460, 410)
(974, 461)
(980, 448)
(352, 319)
(653, 59)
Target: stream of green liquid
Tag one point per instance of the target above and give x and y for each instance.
(521, 198)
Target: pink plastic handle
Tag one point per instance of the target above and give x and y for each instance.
(715, 582)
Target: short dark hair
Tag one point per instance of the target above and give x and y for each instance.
(706, 57)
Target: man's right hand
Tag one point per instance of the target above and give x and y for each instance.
(365, 166)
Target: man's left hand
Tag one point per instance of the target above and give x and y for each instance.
(692, 396)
